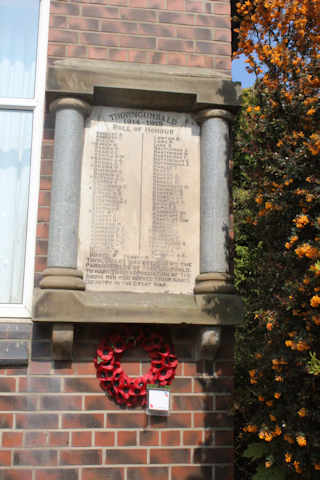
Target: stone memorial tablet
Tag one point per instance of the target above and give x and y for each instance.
(140, 201)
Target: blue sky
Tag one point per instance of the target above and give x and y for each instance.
(239, 73)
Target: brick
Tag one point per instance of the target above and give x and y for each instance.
(213, 21)
(149, 437)
(84, 368)
(80, 457)
(126, 439)
(40, 264)
(223, 63)
(100, 11)
(83, 384)
(192, 473)
(177, 18)
(5, 458)
(181, 385)
(6, 420)
(147, 473)
(126, 456)
(77, 51)
(42, 247)
(103, 473)
(222, 35)
(82, 420)
(97, 53)
(224, 402)
(40, 384)
(15, 331)
(46, 165)
(171, 44)
(200, 61)
(170, 437)
(224, 472)
(80, 23)
(14, 352)
(202, 33)
(58, 439)
(156, 30)
(194, 6)
(12, 439)
(16, 371)
(213, 385)
(43, 214)
(36, 420)
(158, 58)
(104, 439)
(118, 54)
(44, 199)
(188, 33)
(58, 21)
(16, 474)
(35, 439)
(224, 437)
(137, 42)
(43, 230)
(139, 56)
(224, 369)
(16, 402)
(192, 402)
(63, 36)
(60, 8)
(174, 420)
(215, 419)
(169, 455)
(81, 439)
(57, 474)
(35, 457)
(138, 15)
(100, 39)
(209, 48)
(39, 367)
(99, 402)
(175, 4)
(45, 182)
(192, 437)
(61, 402)
(126, 420)
(118, 27)
(221, 8)
(213, 455)
(7, 384)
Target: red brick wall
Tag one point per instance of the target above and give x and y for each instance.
(57, 424)
(190, 33)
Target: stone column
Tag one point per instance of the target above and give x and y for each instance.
(65, 195)
(214, 202)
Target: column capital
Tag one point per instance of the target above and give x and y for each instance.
(204, 115)
(71, 103)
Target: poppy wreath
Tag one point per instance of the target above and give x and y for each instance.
(124, 390)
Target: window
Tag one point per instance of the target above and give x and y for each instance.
(23, 27)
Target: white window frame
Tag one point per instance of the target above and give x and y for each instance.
(20, 311)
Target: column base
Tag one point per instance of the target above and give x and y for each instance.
(214, 282)
(62, 278)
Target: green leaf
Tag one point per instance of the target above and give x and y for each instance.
(272, 473)
(256, 450)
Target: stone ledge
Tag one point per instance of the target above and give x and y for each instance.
(117, 307)
(142, 86)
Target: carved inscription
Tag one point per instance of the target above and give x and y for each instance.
(139, 215)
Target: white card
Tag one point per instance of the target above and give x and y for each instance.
(158, 400)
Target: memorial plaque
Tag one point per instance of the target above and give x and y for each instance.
(140, 201)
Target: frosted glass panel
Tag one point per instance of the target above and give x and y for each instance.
(18, 47)
(15, 149)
